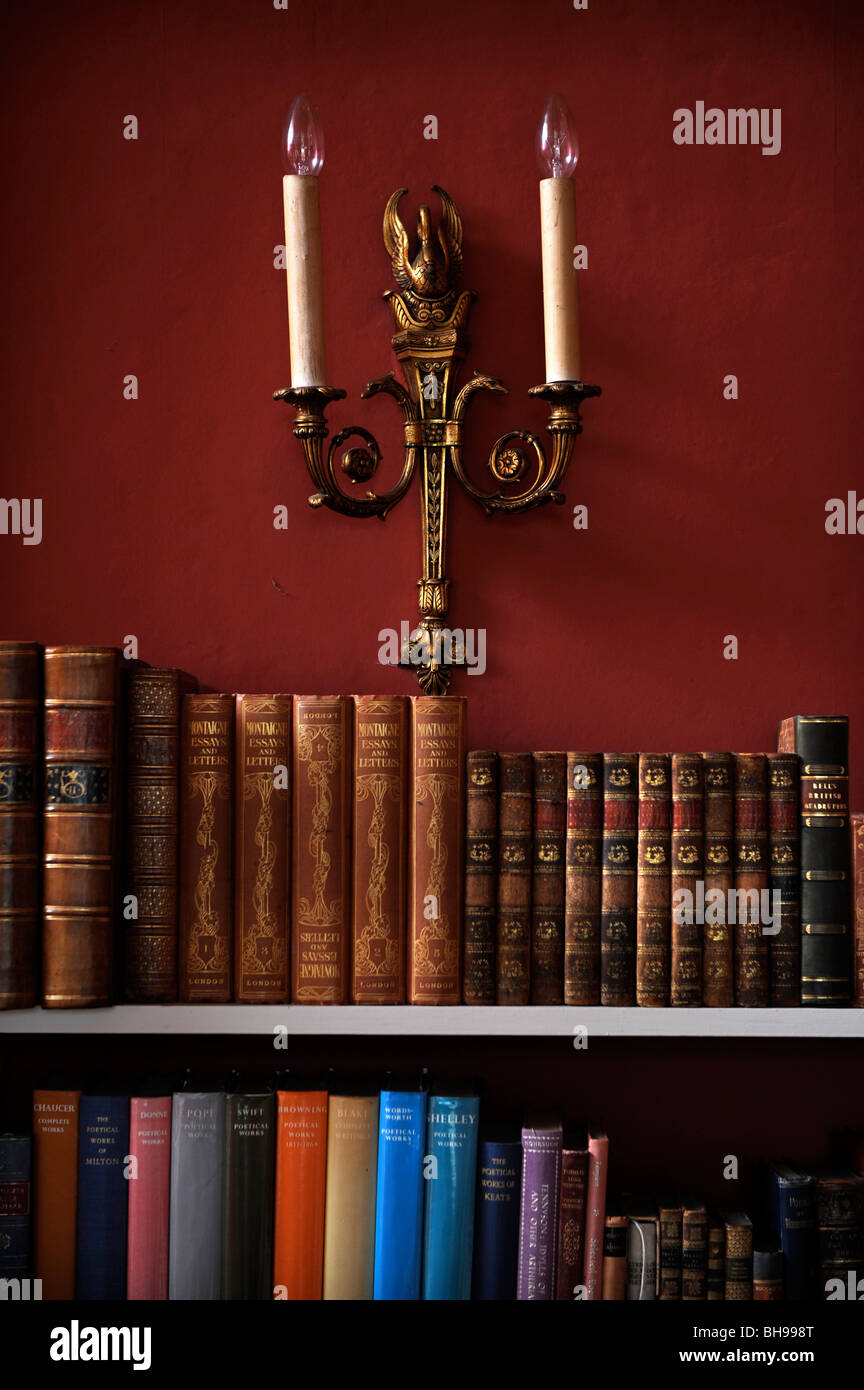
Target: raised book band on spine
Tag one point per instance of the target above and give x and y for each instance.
(20, 885)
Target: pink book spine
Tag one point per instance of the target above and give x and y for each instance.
(149, 1192)
(595, 1212)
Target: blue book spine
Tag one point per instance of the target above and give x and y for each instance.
(103, 1197)
(399, 1203)
(451, 1179)
(14, 1205)
(792, 1205)
(496, 1258)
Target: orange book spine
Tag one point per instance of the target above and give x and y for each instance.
(301, 1172)
(55, 1190)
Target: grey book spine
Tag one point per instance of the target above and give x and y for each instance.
(197, 1160)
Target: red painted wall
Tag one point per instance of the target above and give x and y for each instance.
(155, 257)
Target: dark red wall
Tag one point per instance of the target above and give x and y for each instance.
(155, 257)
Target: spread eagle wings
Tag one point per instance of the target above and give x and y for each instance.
(397, 243)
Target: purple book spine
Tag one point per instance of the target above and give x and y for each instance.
(538, 1217)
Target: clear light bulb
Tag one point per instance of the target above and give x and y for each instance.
(303, 146)
(557, 145)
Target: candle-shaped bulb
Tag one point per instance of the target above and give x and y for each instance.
(303, 146)
(557, 145)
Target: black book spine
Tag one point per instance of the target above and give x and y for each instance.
(247, 1231)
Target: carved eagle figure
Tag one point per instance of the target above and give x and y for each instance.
(437, 265)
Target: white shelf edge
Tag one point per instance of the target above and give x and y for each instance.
(421, 1021)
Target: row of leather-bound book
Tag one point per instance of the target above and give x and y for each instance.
(306, 1194)
(160, 843)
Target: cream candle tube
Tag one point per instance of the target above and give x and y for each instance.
(560, 298)
(305, 283)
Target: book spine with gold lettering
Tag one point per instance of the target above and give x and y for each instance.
(583, 878)
(380, 820)
(515, 840)
(822, 745)
(858, 907)
(751, 879)
(738, 1263)
(321, 838)
(686, 874)
(20, 864)
(718, 970)
(548, 878)
(653, 901)
(784, 947)
(83, 688)
(262, 847)
(436, 844)
(206, 783)
(349, 1214)
(481, 876)
(618, 880)
(152, 831)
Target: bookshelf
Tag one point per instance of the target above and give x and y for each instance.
(414, 1021)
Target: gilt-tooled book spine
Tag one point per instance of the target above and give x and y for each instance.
(686, 873)
(840, 1219)
(197, 1166)
(738, 1263)
(301, 1171)
(481, 876)
(247, 1212)
(548, 879)
(583, 878)
(715, 1269)
(380, 814)
(542, 1142)
(207, 777)
(262, 848)
(153, 832)
(55, 1190)
(515, 836)
(16, 1206)
(670, 1214)
(751, 879)
(653, 901)
(82, 768)
(822, 745)
(436, 845)
(858, 908)
(352, 1177)
(571, 1224)
(694, 1252)
(103, 1197)
(149, 1197)
(321, 836)
(614, 1254)
(784, 948)
(618, 880)
(20, 864)
(718, 958)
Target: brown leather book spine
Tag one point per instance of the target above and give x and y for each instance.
(548, 878)
(751, 879)
(321, 837)
(380, 815)
(784, 947)
(82, 772)
(262, 848)
(694, 1253)
(20, 862)
(653, 881)
(206, 784)
(583, 878)
(718, 972)
(715, 1265)
(436, 845)
(686, 874)
(857, 822)
(515, 844)
(481, 876)
(152, 829)
(618, 880)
